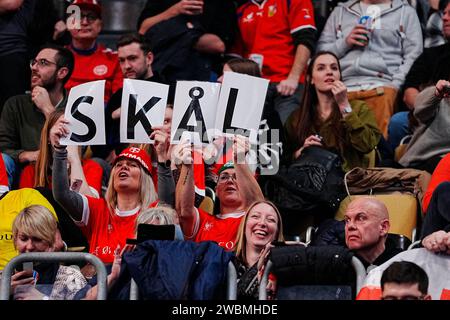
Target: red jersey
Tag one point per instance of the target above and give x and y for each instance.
(440, 174)
(91, 169)
(266, 32)
(3, 177)
(102, 64)
(105, 229)
(221, 228)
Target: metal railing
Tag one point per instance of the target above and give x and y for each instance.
(67, 257)
(356, 264)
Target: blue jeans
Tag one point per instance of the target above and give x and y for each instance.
(12, 170)
(398, 128)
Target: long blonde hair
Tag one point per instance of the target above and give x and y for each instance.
(147, 191)
(36, 221)
(241, 239)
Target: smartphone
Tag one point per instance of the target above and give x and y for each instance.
(155, 232)
(26, 266)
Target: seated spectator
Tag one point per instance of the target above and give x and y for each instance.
(431, 66)
(376, 54)
(24, 116)
(261, 225)
(430, 141)
(366, 228)
(109, 222)
(440, 174)
(348, 128)
(92, 60)
(161, 215)
(34, 230)
(11, 204)
(87, 172)
(236, 190)
(404, 280)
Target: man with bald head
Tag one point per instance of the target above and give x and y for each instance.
(366, 229)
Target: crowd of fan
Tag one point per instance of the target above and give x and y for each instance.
(335, 82)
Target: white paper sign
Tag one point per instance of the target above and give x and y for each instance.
(241, 104)
(143, 106)
(85, 111)
(194, 111)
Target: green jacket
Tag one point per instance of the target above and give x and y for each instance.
(21, 124)
(361, 136)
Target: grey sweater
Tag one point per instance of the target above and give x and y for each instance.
(391, 50)
(432, 136)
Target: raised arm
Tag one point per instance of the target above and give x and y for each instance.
(71, 201)
(185, 192)
(248, 186)
(166, 183)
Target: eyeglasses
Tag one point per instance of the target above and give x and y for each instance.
(225, 177)
(90, 17)
(41, 62)
(403, 298)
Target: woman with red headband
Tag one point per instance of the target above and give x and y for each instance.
(108, 222)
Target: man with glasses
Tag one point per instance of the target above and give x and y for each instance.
(404, 280)
(92, 60)
(236, 190)
(24, 116)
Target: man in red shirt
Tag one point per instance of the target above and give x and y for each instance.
(92, 60)
(236, 190)
(280, 36)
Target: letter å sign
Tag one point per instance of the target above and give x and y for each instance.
(194, 111)
(85, 112)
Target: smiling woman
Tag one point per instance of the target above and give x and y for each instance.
(260, 226)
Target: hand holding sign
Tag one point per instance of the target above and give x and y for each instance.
(182, 153)
(241, 146)
(58, 131)
(162, 142)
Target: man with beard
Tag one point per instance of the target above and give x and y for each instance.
(24, 116)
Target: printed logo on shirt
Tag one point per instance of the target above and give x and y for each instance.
(100, 70)
(208, 226)
(249, 17)
(229, 245)
(306, 14)
(272, 11)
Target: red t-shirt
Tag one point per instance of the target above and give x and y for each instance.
(105, 229)
(266, 29)
(221, 228)
(102, 64)
(91, 169)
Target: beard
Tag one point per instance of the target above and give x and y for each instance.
(49, 84)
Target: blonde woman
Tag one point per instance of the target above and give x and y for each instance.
(108, 222)
(35, 230)
(260, 226)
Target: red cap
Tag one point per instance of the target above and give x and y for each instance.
(93, 5)
(137, 154)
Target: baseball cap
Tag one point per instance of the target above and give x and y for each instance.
(93, 5)
(140, 155)
(225, 166)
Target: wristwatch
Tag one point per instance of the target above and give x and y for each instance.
(347, 109)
